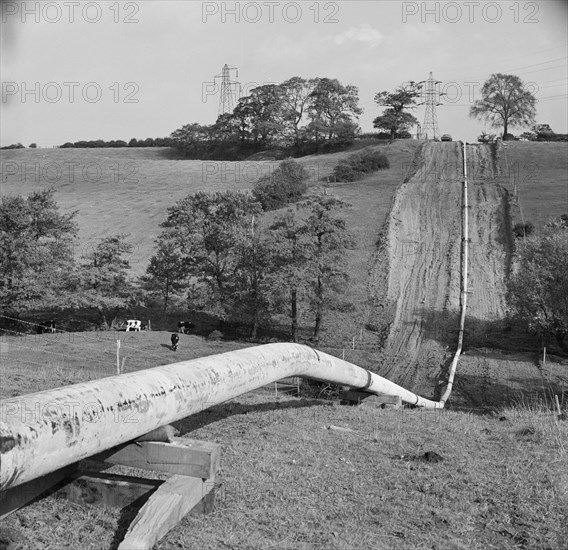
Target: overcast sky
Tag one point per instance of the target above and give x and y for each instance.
(118, 70)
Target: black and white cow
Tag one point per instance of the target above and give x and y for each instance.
(133, 324)
(46, 326)
(185, 326)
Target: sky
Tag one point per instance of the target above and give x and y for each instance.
(76, 70)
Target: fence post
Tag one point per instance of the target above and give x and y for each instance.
(544, 356)
(118, 356)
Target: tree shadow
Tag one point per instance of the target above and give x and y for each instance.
(479, 395)
(503, 334)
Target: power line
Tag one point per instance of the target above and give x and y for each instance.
(520, 69)
(516, 57)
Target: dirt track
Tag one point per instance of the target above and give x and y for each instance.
(422, 294)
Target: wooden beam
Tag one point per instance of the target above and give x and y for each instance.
(16, 497)
(166, 507)
(111, 490)
(188, 457)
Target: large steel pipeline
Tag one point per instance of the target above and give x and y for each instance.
(43, 432)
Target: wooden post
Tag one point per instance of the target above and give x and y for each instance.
(343, 354)
(149, 325)
(557, 404)
(543, 356)
(118, 356)
(122, 366)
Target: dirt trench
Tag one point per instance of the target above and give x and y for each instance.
(421, 293)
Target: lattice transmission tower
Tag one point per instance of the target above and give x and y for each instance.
(431, 94)
(228, 90)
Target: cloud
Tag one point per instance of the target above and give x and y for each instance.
(363, 33)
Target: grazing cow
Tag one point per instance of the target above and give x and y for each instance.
(185, 326)
(133, 324)
(46, 326)
(175, 340)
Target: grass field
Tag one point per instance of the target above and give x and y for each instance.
(540, 171)
(289, 479)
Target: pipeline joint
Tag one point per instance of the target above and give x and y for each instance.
(369, 380)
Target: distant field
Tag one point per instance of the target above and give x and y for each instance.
(129, 190)
(541, 173)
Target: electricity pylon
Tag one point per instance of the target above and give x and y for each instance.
(431, 94)
(226, 100)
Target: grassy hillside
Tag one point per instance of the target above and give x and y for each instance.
(128, 190)
(540, 171)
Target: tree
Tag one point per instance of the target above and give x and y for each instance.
(206, 231)
(504, 102)
(332, 109)
(33, 145)
(396, 119)
(250, 301)
(327, 238)
(539, 289)
(101, 282)
(260, 115)
(286, 184)
(166, 274)
(296, 94)
(290, 255)
(36, 243)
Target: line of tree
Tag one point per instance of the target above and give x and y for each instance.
(299, 116)
(93, 144)
(220, 253)
(543, 132)
(242, 267)
(38, 265)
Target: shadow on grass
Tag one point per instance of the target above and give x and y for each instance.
(226, 410)
(480, 394)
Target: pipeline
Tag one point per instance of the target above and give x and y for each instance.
(45, 431)
(463, 295)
